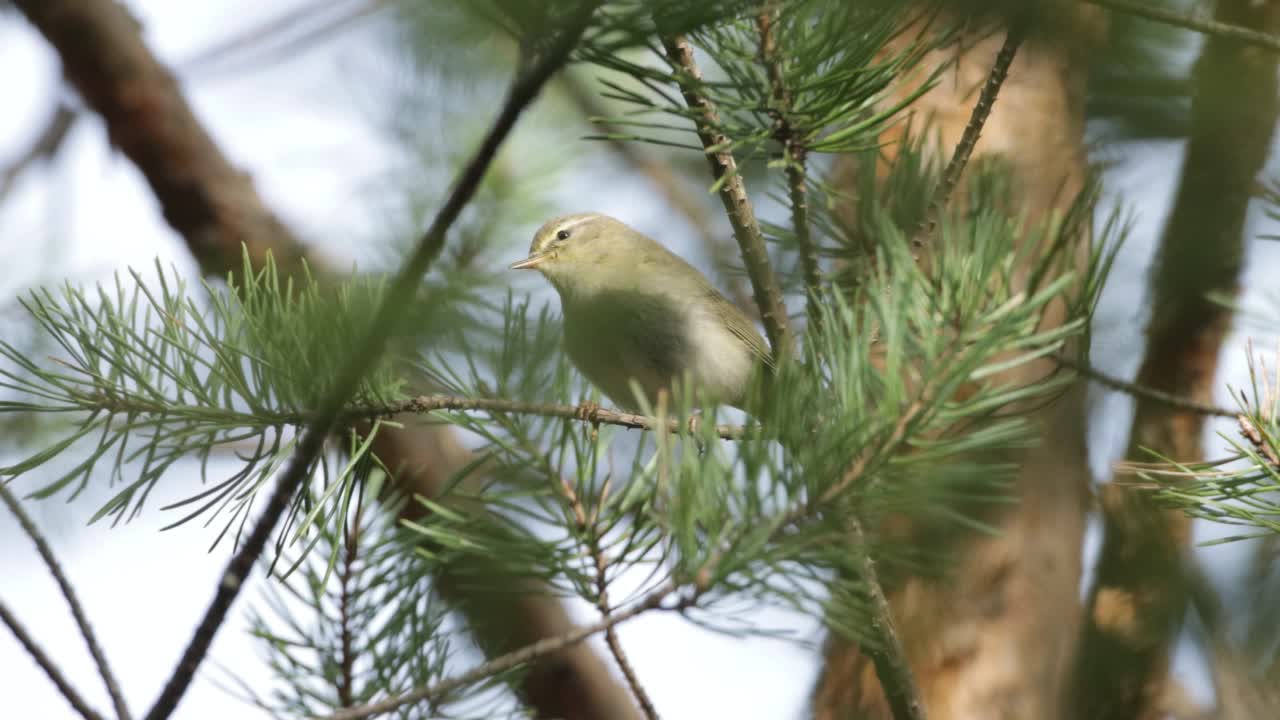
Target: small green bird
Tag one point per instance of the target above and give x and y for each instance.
(634, 310)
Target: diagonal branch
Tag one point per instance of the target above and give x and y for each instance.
(46, 663)
(588, 413)
(1142, 392)
(1212, 28)
(510, 661)
(795, 155)
(64, 585)
(206, 199)
(733, 195)
(969, 139)
(600, 561)
(44, 147)
(525, 88)
(887, 651)
(215, 208)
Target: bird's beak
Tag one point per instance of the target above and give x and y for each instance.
(530, 262)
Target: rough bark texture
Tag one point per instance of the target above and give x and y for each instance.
(995, 639)
(1142, 591)
(217, 211)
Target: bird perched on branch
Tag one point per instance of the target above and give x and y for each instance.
(635, 311)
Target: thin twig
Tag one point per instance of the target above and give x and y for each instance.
(525, 87)
(50, 668)
(44, 147)
(1251, 433)
(733, 195)
(666, 181)
(510, 661)
(588, 527)
(795, 156)
(969, 139)
(886, 649)
(1202, 25)
(266, 38)
(73, 602)
(587, 413)
(1177, 402)
(347, 661)
(121, 403)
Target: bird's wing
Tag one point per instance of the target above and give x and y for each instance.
(739, 325)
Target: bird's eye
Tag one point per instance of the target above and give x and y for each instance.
(562, 235)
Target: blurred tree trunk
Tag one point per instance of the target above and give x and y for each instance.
(217, 211)
(995, 638)
(1137, 607)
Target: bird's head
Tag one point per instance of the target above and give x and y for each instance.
(585, 248)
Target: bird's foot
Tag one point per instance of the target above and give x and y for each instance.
(588, 411)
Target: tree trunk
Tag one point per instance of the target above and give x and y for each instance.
(1141, 596)
(995, 639)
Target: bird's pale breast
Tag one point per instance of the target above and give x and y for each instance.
(616, 336)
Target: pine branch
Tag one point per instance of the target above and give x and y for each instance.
(1213, 28)
(969, 139)
(73, 602)
(600, 561)
(125, 404)
(733, 195)
(1177, 402)
(511, 660)
(525, 87)
(586, 412)
(50, 668)
(794, 155)
(886, 649)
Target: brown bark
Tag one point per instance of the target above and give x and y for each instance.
(217, 211)
(1142, 592)
(995, 639)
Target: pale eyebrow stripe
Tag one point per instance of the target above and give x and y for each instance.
(574, 223)
(551, 236)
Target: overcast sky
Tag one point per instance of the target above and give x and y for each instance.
(298, 128)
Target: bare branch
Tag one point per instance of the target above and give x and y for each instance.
(210, 202)
(47, 664)
(795, 155)
(73, 602)
(1176, 402)
(264, 44)
(587, 412)
(969, 139)
(1215, 28)
(44, 147)
(423, 404)
(733, 195)
(886, 649)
